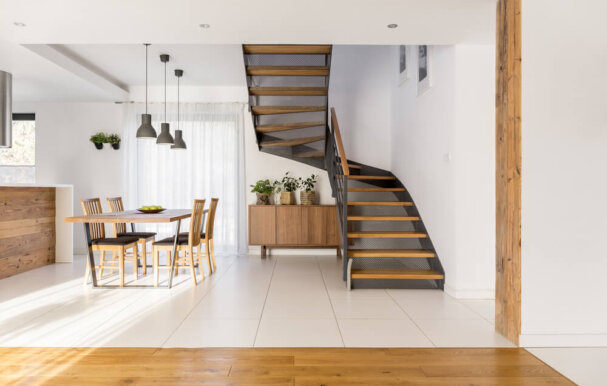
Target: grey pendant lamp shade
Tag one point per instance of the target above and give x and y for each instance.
(165, 137)
(146, 130)
(179, 142)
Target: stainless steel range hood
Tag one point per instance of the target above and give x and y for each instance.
(6, 109)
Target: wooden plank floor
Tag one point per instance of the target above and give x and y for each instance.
(282, 366)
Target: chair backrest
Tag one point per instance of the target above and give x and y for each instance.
(93, 206)
(196, 223)
(211, 218)
(115, 204)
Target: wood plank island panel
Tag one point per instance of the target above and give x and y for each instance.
(27, 228)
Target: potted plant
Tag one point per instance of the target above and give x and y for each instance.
(263, 188)
(286, 187)
(114, 140)
(98, 139)
(308, 196)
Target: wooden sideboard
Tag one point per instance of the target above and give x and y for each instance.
(293, 226)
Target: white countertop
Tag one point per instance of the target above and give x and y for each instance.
(36, 186)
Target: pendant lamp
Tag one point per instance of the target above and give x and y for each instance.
(146, 130)
(179, 142)
(165, 137)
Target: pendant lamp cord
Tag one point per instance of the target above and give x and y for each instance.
(178, 103)
(165, 91)
(146, 78)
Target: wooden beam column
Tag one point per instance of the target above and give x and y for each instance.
(508, 170)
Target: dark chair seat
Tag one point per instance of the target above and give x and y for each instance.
(171, 240)
(115, 241)
(186, 234)
(141, 235)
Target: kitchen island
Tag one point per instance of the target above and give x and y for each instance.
(32, 230)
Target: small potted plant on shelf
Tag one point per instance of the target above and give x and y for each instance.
(308, 196)
(264, 189)
(287, 186)
(114, 140)
(98, 139)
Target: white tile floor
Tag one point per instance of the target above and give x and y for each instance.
(279, 301)
(290, 301)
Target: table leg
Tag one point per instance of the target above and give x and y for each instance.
(174, 256)
(89, 243)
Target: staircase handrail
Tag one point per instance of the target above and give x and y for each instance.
(340, 144)
(337, 167)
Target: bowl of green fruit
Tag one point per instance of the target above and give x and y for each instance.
(151, 209)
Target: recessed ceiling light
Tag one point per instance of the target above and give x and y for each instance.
(205, 26)
(19, 24)
(392, 26)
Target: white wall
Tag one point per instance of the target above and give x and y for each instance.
(443, 151)
(564, 141)
(64, 154)
(360, 79)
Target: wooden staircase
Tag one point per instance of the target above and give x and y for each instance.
(288, 94)
(384, 240)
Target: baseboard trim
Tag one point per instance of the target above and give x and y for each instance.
(563, 340)
(470, 293)
(254, 250)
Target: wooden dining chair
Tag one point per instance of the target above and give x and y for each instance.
(206, 239)
(120, 230)
(184, 245)
(118, 246)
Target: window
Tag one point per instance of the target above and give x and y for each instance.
(18, 164)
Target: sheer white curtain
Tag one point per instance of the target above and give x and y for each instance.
(212, 166)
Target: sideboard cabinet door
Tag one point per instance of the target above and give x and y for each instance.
(262, 225)
(289, 230)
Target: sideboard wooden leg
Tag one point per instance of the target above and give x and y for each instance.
(263, 251)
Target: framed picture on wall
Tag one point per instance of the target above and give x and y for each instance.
(424, 68)
(403, 55)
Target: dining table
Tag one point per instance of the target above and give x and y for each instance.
(133, 217)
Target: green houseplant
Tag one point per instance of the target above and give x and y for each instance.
(98, 139)
(114, 140)
(308, 195)
(264, 189)
(287, 186)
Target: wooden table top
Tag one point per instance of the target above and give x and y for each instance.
(134, 216)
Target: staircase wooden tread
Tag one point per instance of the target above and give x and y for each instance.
(310, 154)
(288, 70)
(274, 127)
(390, 253)
(359, 177)
(287, 49)
(288, 90)
(354, 166)
(380, 203)
(383, 218)
(269, 110)
(396, 274)
(386, 235)
(293, 141)
(376, 189)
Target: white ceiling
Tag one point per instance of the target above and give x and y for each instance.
(106, 35)
(246, 21)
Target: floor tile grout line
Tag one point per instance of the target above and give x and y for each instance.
(200, 301)
(476, 312)
(343, 342)
(263, 307)
(410, 318)
(75, 321)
